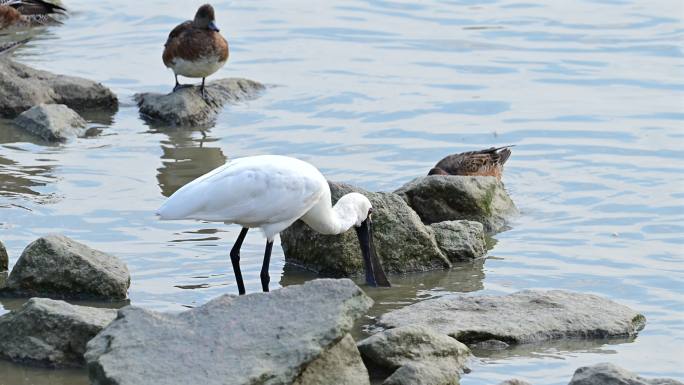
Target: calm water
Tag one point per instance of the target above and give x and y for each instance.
(374, 93)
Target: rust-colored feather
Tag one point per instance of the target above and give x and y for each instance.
(189, 43)
(487, 162)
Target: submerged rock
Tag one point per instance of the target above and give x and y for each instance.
(187, 107)
(438, 198)
(4, 258)
(415, 355)
(514, 381)
(298, 334)
(523, 317)
(402, 241)
(57, 266)
(22, 87)
(52, 122)
(52, 333)
(610, 374)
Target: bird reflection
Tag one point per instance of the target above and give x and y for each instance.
(185, 158)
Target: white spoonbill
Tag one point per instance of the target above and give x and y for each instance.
(271, 192)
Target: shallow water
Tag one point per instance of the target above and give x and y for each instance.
(374, 93)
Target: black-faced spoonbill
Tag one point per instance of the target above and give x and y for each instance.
(488, 162)
(271, 192)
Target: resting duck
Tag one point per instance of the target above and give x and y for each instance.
(196, 49)
(28, 13)
(487, 162)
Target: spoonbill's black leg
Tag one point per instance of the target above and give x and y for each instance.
(235, 259)
(265, 278)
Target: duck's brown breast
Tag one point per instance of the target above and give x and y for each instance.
(195, 44)
(8, 16)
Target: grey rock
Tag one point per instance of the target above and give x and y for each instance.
(514, 381)
(438, 198)
(22, 87)
(610, 374)
(56, 266)
(52, 333)
(4, 258)
(418, 373)
(402, 241)
(52, 122)
(460, 240)
(416, 354)
(259, 338)
(3, 280)
(187, 107)
(523, 317)
(341, 365)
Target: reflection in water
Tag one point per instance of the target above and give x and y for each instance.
(17, 180)
(185, 158)
(552, 349)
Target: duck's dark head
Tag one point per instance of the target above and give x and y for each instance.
(205, 19)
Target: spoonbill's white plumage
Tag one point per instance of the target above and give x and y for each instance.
(272, 192)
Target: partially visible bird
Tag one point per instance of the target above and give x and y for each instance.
(28, 13)
(487, 162)
(272, 192)
(196, 49)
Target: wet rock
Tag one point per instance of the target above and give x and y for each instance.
(187, 107)
(460, 240)
(402, 241)
(416, 355)
(52, 333)
(514, 381)
(22, 87)
(3, 280)
(262, 337)
(610, 374)
(56, 266)
(52, 122)
(523, 317)
(438, 198)
(4, 258)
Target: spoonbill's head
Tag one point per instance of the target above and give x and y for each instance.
(205, 18)
(375, 275)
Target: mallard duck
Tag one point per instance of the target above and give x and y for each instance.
(28, 13)
(195, 48)
(487, 162)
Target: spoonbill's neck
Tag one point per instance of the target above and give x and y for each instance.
(349, 211)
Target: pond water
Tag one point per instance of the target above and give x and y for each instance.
(374, 93)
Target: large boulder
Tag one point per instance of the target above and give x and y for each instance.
(402, 241)
(52, 333)
(438, 198)
(415, 355)
(187, 107)
(56, 266)
(4, 258)
(52, 122)
(460, 240)
(610, 374)
(22, 87)
(298, 334)
(523, 317)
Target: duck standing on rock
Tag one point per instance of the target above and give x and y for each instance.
(272, 192)
(195, 48)
(488, 162)
(28, 13)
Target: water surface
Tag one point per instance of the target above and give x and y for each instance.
(374, 93)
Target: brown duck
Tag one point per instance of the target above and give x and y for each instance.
(487, 162)
(28, 13)
(195, 48)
